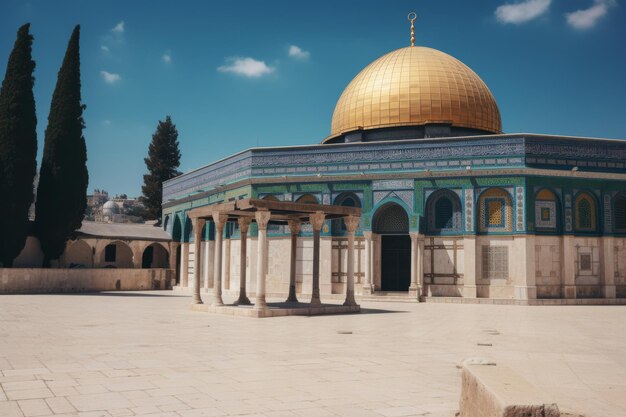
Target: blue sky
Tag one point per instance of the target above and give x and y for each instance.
(229, 75)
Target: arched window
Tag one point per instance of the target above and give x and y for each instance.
(495, 211)
(391, 219)
(270, 197)
(166, 223)
(188, 230)
(546, 211)
(443, 212)
(619, 213)
(585, 217)
(307, 199)
(338, 226)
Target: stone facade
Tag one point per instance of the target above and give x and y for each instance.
(501, 216)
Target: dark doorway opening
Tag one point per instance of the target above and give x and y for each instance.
(395, 263)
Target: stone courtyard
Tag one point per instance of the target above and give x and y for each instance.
(126, 354)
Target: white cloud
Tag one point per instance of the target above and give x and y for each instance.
(119, 28)
(587, 18)
(109, 77)
(247, 67)
(298, 53)
(522, 12)
(104, 48)
(167, 57)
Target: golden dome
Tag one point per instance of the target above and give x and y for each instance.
(416, 86)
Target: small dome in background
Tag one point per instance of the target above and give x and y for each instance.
(110, 208)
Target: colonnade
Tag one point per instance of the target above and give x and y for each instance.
(262, 219)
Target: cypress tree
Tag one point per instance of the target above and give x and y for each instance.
(18, 147)
(162, 162)
(63, 178)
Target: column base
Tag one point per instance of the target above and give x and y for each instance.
(260, 305)
(242, 301)
(469, 291)
(569, 291)
(367, 289)
(196, 301)
(414, 291)
(610, 291)
(217, 301)
(291, 299)
(315, 302)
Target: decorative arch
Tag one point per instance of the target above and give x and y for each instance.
(585, 213)
(391, 219)
(188, 230)
(307, 199)
(619, 213)
(155, 255)
(79, 254)
(177, 230)
(443, 212)
(347, 199)
(546, 211)
(116, 254)
(495, 211)
(270, 197)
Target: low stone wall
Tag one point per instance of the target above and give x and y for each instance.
(490, 390)
(43, 280)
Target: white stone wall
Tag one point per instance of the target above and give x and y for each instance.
(548, 265)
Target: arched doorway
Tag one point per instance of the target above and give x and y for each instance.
(117, 255)
(155, 256)
(392, 223)
(79, 255)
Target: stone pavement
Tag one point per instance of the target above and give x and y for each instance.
(126, 354)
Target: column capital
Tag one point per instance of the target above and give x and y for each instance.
(244, 224)
(416, 236)
(219, 219)
(317, 220)
(367, 235)
(262, 218)
(294, 226)
(197, 221)
(352, 223)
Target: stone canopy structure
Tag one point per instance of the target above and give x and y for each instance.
(449, 206)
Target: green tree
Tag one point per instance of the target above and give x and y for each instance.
(18, 147)
(163, 161)
(63, 178)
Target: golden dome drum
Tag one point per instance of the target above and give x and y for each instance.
(415, 86)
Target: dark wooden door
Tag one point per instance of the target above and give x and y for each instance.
(396, 263)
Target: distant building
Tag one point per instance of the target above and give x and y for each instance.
(119, 209)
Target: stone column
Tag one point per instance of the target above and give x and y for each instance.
(367, 284)
(198, 224)
(294, 227)
(420, 263)
(184, 264)
(351, 225)
(226, 267)
(317, 221)
(244, 225)
(206, 271)
(414, 288)
(173, 249)
(262, 217)
(220, 221)
(607, 264)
